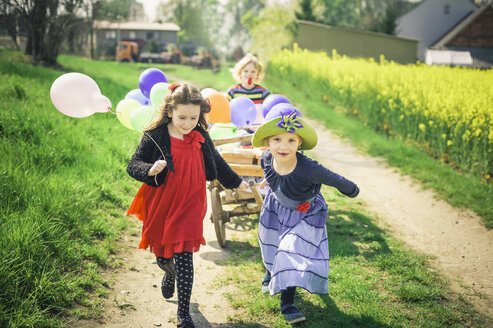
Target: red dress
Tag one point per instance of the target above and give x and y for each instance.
(173, 213)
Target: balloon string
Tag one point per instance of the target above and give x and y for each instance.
(147, 134)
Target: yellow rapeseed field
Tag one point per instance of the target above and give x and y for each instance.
(448, 111)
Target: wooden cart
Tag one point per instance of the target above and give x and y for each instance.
(226, 203)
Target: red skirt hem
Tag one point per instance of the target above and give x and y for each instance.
(169, 250)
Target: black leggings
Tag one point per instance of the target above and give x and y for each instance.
(287, 296)
(184, 282)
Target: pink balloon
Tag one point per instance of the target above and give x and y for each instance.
(101, 104)
(77, 95)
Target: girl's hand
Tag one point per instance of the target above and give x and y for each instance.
(243, 185)
(157, 168)
(263, 184)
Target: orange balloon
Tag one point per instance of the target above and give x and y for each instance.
(220, 109)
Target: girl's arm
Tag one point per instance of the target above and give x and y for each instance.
(225, 174)
(142, 162)
(320, 174)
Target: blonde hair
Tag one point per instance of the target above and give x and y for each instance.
(183, 93)
(240, 66)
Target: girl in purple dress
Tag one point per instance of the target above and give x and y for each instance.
(292, 231)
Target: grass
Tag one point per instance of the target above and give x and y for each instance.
(374, 281)
(64, 192)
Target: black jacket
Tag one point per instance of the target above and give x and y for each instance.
(147, 153)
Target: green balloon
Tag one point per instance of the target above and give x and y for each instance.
(222, 131)
(142, 117)
(158, 92)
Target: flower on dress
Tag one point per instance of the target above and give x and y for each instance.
(289, 122)
(194, 138)
(303, 207)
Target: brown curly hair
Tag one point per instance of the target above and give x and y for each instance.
(183, 93)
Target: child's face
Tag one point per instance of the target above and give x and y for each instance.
(283, 146)
(184, 118)
(249, 75)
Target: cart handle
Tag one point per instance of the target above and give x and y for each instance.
(256, 193)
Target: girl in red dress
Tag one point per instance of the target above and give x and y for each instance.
(172, 202)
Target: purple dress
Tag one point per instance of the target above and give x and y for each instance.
(293, 235)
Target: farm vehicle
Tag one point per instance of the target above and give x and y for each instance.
(130, 51)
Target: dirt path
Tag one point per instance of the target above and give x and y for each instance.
(461, 246)
(135, 299)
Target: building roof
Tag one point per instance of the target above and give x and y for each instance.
(441, 42)
(134, 26)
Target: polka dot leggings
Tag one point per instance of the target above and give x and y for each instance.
(184, 282)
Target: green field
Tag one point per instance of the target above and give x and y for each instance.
(64, 193)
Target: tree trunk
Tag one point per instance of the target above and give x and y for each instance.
(38, 26)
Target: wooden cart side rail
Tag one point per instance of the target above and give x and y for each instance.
(247, 170)
(224, 141)
(242, 157)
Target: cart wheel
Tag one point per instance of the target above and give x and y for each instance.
(218, 217)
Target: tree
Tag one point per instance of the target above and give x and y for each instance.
(341, 13)
(9, 21)
(306, 11)
(115, 10)
(388, 22)
(372, 15)
(238, 30)
(46, 23)
(273, 29)
(187, 14)
(91, 8)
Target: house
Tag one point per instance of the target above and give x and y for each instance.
(451, 32)
(355, 43)
(106, 34)
(472, 36)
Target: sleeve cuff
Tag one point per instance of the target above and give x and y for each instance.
(355, 192)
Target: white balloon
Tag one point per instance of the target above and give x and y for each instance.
(77, 95)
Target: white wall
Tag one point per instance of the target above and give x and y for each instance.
(429, 21)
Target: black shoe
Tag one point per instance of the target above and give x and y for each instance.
(292, 314)
(185, 322)
(265, 282)
(167, 265)
(166, 289)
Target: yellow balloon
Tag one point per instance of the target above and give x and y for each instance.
(220, 108)
(124, 109)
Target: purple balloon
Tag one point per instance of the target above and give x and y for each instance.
(280, 109)
(271, 101)
(243, 111)
(138, 96)
(148, 78)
